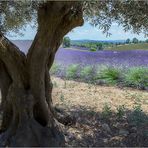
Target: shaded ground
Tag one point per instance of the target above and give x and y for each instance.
(101, 119)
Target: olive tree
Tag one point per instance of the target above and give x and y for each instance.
(28, 115)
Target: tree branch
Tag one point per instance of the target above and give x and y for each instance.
(14, 60)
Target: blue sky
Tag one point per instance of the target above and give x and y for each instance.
(86, 32)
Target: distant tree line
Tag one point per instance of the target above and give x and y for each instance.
(92, 46)
(97, 45)
(135, 41)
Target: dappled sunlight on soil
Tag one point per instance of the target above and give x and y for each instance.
(89, 95)
(96, 124)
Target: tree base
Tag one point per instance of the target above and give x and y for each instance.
(32, 134)
(24, 130)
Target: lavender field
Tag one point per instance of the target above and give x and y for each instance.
(126, 58)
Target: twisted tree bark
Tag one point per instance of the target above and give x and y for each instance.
(28, 115)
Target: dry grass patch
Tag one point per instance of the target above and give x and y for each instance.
(88, 95)
(97, 110)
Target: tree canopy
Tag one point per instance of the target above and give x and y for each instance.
(130, 14)
(135, 40)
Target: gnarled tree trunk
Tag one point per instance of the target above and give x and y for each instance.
(28, 115)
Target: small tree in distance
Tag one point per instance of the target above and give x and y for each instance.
(135, 40)
(127, 41)
(66, 42)
(99, 46)
(146, 41)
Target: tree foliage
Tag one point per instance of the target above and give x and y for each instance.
(66, 42)
(15, 15)
(135, 40)
(127, 41)
(130, 14)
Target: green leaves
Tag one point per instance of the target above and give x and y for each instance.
(66, 42)
(137, 77)
(15, 15)
(132, 15)
(110, 75)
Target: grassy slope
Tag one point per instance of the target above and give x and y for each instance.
(130, 47)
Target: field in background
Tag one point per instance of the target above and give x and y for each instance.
(142, 46)
(105, 116)
(126, 58)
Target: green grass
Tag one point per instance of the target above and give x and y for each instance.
(55, 68)
(86, 73)
(142, 46)
(137, 77)
(109, 75)
(120, 111)
(106, 112)
(72, 71)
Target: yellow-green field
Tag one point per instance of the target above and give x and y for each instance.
(142, 46)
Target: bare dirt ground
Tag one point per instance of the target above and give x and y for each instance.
(105, 116)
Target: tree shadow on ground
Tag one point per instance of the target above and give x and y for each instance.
(97, 129)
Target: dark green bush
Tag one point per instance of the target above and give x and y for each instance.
(87, 73)
(72, 71)
(110, 75)
(66, 42)
(93, 49)
(137, 77)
